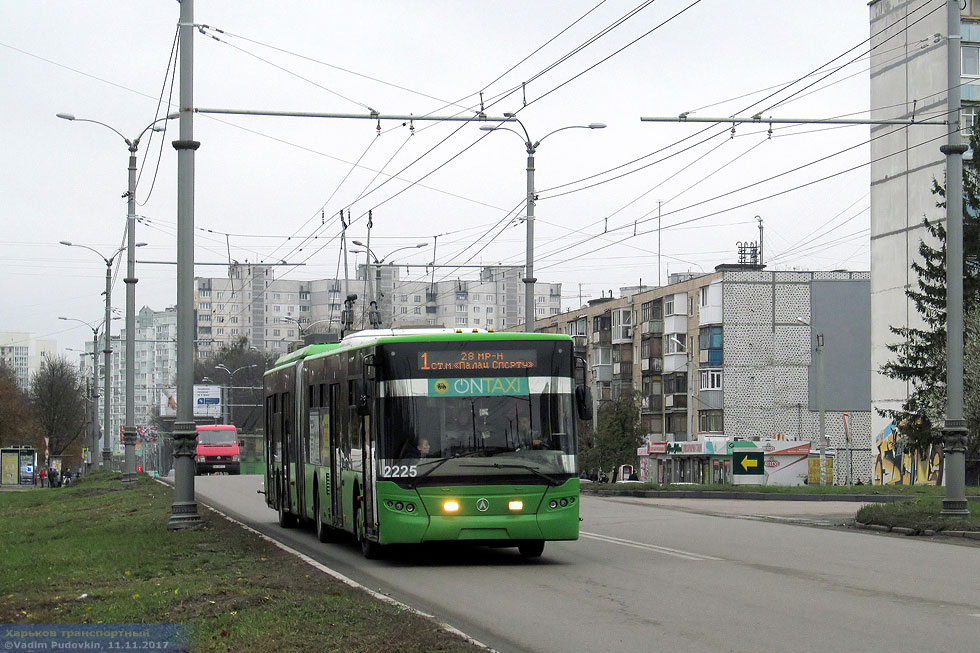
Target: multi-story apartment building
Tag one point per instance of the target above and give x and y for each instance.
(274, 313)
(730, 355)
(23, 353)
(155, 369)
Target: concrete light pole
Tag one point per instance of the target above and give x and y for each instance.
(818, 364)
(375, 294)
(94, 434)
(532, 147)
(129, 426)
(231, 386)
(107, 350)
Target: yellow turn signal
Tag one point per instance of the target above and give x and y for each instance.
(451, 506)
(516, 505)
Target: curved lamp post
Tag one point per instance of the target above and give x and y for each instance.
(107, 350)
(129, 427)
(231, 389)
(532, 147)
(94, 392)
(373, 291)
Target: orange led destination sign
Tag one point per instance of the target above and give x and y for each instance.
(501, 359)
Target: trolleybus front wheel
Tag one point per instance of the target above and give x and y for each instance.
(371, 550)
(531, 548)
(285, 519)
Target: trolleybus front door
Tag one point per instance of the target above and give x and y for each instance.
(336, 497)
(367, 465)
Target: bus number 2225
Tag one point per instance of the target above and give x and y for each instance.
(399, 471)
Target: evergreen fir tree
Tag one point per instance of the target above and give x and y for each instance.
(920, 355)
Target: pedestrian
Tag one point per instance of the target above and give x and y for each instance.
(67, 477)
(42, 475)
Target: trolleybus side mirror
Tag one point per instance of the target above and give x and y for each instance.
(579, 365)
(583, 402)
(370, 366)
(363, 399)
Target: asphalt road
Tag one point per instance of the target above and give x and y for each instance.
(673, 574)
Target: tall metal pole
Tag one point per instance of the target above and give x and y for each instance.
(107, 372)
(822, 411)
(659, 282)
(94, 447)
(954, 430)
(529, 267)
(368, 291)
(129, 427)
(183, 512)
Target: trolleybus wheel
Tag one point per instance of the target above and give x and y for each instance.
(323, 532)
(531, 548)
(371, 550)
(285, 519)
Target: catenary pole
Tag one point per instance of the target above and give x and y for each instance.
(954, 429)
(184, 509)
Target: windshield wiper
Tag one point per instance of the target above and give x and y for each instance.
(437, 463)
(537, 472)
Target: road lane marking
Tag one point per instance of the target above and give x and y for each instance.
(686, 555)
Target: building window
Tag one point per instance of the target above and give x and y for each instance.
(304, 309)
(489, 321)
(675, 384)
(669, 306)
(461, 296)
(404, 309)
(710, 380)
(476, 320)
(275, 332)
(675, 343)
(970, 8)
(418, 310)
(304, 294)
(602, 356)
(968, 118)
(711, 421)
(476, 309)
(460, 321)
(489, 309)
(677, 423)
(277, 308)
(970, 60)
(460, 308)
(417, 298)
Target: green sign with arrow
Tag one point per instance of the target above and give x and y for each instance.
(748, 463)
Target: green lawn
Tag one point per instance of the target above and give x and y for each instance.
(920, 513)
(97, 552)
(880, 490)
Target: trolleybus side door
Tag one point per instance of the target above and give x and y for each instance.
(299, 440)
(336, 507)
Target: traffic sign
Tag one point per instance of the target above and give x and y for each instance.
(748, 463)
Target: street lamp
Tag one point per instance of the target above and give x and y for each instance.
(106, 444)
(532, 147)
(231, 389)
(818, 363)
(304, 327)
(375, 318)
(94, 392)
(129, 427)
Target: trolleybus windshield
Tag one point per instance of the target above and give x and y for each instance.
(469, 411)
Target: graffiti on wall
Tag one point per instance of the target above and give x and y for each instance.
(894, 466)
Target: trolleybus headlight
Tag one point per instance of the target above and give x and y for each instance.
(516, 505)
(200, 459)
(553, 504)
(389, 503)
(399, 505)
(410, 507)
(451, 506)
(563, 502)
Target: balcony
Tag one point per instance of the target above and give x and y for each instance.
(580, 341)
(675, 402)
(652, 365)
(652, 328)
(652, 403)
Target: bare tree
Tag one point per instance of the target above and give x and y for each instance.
(16, 421)
(58, 400)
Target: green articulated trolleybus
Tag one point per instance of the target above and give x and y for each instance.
(437, 435)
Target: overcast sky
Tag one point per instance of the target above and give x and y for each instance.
(262, 182)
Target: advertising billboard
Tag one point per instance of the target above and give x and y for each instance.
(207, 401)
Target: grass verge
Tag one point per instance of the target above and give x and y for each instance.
(97, 552)
(920, 513)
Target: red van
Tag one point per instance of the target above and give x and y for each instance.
(217, 449)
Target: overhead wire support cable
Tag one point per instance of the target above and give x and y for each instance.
(759, 120)
(357, 116)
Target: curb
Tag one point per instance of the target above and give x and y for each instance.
(902, 530)
(340, 577)
(753, 496)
